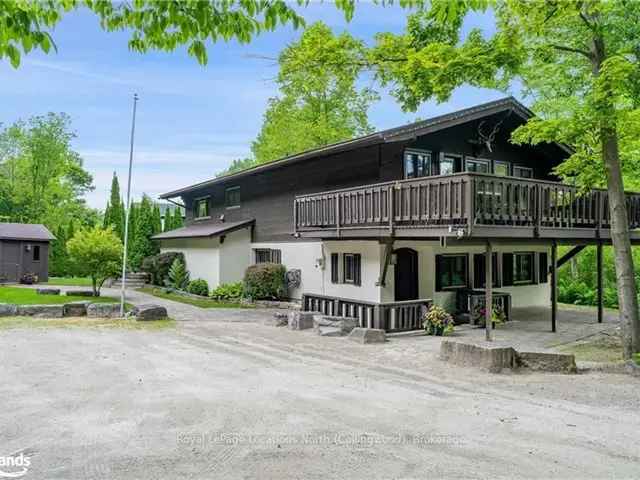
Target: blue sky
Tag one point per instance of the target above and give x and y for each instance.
(192, 120)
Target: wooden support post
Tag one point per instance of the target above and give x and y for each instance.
(554, 285)
(599, 280)
(488, 297)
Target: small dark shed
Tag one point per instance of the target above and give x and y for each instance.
(24, 249)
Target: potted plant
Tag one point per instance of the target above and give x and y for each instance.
(497, 315)
(437, 321)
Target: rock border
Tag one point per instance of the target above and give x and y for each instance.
(61, 310)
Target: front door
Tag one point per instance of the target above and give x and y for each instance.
(406, 274)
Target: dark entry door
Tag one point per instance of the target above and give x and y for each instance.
(406, 274)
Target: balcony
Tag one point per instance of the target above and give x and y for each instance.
(462, 205)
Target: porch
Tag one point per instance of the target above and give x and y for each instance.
(461, 205)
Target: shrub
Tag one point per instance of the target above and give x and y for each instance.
(437, 321)
(265, 281)
(157, 266)
(198, 287)
(228, 292)
(178, 276)
(96, 253)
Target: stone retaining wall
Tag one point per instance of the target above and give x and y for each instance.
(72, 309)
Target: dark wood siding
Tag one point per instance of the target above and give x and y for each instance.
(268, 196)
(16, 260)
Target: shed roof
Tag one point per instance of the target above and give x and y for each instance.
(25, 231)
(203, 230)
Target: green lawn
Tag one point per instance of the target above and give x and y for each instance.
(70, 281)
(29, 296)
(83, 322)
(198, 302)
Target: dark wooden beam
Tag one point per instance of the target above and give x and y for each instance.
(570, 254)
(488, 300)
(599, 281)
(554, 285)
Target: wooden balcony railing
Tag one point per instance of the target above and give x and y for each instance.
(390, 316)
(462, 200)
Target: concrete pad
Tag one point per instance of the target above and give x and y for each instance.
(367, 335)
(493, 358)
(547, 361)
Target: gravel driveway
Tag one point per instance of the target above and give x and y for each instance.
(235, 399)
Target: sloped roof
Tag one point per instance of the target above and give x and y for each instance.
(396, 134)
(25, 231)
(204, 230)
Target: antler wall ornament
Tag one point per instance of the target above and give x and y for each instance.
(484, 139)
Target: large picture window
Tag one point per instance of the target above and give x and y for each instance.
(268, 255)
(523, 267)
(202, 208)
(417, 163)
(451, 271)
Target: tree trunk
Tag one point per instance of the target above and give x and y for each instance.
(625, 278)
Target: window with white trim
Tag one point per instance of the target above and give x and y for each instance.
(523, 268)
(501, 168)
(351, 271)
(478, 165)
(232, 197)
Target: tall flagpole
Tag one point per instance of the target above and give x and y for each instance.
(126, 214)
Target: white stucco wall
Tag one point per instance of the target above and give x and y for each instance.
(211, 260)
(235, 256)
(305, 256)
(200, 255)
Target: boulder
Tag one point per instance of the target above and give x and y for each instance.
(149, 311)
(103, 310)
(548, 361)
(41, 311)
(368, 335)
(81, 293)
(8, 310)
(75, 309)
(345, 324)
(48, 291)
(279, 319)
(300, 320)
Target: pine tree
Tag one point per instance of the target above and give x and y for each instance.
(157, 220)
(133, 213)
(107, 216)
(142, 245)
(71, 231)
(113, 215)
(177, 218)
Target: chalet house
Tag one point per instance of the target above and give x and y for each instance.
(24, 249)
(380, 225)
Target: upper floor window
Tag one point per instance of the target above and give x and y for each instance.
(501, 168)
(268, 255)
(450, 163)
(232, 197)
(523, 172)
(478, 165)
(201, 208)
(417, 163)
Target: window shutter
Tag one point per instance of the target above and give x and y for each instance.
(478, 270)
(507, 269)
(356, 267)
(438, 273)
(334, 268)
(543, 264)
